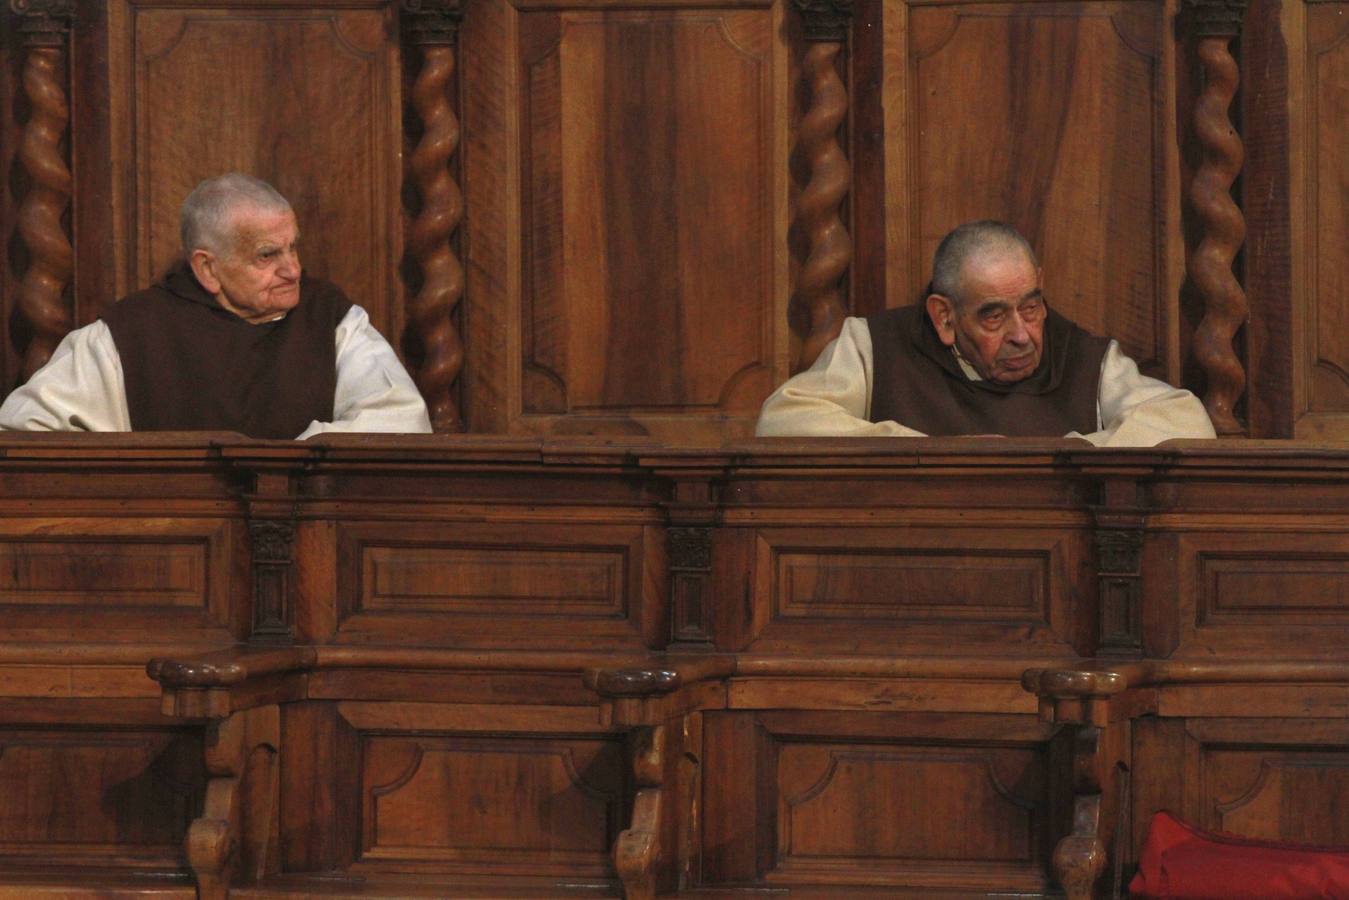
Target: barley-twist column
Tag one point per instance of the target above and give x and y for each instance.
(1216, 23)
(44, 25)
(433, 26)
(819, 291)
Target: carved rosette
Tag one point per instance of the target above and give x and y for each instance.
(1223, 228)
(433, 27)
(818, 302)
(44, 25)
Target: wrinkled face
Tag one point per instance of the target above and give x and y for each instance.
(998, 322)
(259, 279)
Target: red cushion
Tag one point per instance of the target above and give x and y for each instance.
(1183, 862)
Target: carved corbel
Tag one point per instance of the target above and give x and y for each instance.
(818, 304)
(1096, 707)
(637, 852)
(433, 26)
(1215, 23)
(234, 841)
(45, 26)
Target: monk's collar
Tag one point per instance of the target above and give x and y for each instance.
(965, 368)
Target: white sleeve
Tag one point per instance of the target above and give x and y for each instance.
(1134, 410)
(374, 392)
(79, 389)
(833, 397)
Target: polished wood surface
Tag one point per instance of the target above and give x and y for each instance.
(661, 210)
(494, 664)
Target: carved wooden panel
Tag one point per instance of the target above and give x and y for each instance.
(1278, 778)
(115, 579)
(651, 291)
(1241, 592)
(1319, 163)
(884, 588)
(97, 799)
(863, 805)
(307, 98)
(495, 585)
(1058, 118)
(523, 805)
(879, 799)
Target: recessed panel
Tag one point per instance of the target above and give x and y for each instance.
(1050, 116)
(487, 585)
(99, 573)
(863, 804)
(548, 805)
(910, 585)
(307, 99)
(649, 185)
(98, 798)
(480, 580)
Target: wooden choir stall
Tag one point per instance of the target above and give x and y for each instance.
(593, 638)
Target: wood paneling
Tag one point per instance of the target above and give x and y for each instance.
(881, 799)
(480, 584)
(991, 103)
(907, 588)
(483, 803)
(1259, 777)
(306, 98)
(81, 798)
(1318, 71)
(1240, 592)
(650, 293)
(124, 576)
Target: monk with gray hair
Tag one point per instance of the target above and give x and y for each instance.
(234, 337)
(982, 354)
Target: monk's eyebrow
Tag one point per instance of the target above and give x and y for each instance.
(997, 303)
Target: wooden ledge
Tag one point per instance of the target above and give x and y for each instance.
(659, 678)
(228, 668)
(1098, 692)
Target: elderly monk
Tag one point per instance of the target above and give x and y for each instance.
(983, 355)
(234, 337)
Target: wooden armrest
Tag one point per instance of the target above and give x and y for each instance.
(215, 685)
(1092, 695)
(649, 695)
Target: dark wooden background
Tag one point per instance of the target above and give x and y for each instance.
(631, 180)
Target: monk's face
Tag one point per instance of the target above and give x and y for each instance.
(259, 278)
(998, 321)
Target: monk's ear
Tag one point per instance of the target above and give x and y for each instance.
(203, 265)
(942, 312)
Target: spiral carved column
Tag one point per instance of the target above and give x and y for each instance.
(433, 27)
(819, 291)
(1216, 23)
(44, 25)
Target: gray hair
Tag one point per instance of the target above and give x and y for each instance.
(206, 220)
(985, 236)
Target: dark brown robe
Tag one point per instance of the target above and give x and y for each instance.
(917, 382)
(191, 365)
